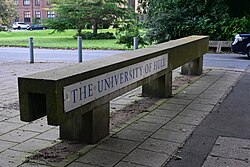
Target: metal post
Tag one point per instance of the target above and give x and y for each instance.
(135, 43)
(31, 50)
(79, 41)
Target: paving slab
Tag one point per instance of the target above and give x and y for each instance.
(147, 158)
(168, 135)
(30, 164)
(8, 126)
(200, 85)
(118, 145)
(184, 95)
(52, 134)
(231, 148)
(9, 113)
(221, 86)
(205, 101)
(194, 90)
(78, 164)
(165, 113)
(201, 107)
(11, 158)
(169, 106)
(5, 145)
(224, 162)
(160, 146)
(133, 135)
(155, 119)
(18, 135)
(101, 158)
(179, 127)
(128, 164)
(214, 92)
(194, 113)
(39, 125)
(33, 145)
(188, 120)
(144, 126)
(2, 118)
(179, 101)
(16, 120)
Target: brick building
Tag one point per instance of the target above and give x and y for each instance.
(32, 11)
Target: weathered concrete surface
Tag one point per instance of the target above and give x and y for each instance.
(45, 89)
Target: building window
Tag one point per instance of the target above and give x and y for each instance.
(27, 16)
(26, 2)
(37, 16)
(51, 14)
(37, 2)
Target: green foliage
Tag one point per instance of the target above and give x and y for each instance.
(142, 7)
(239, 8)
(128, 31)
(78, 14)
(174, 19)
(7, 12)
(90, 35)
(3, 28)
(236, 26)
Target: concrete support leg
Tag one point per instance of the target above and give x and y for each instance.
(194, 67)
(90, 128)
(160, 87)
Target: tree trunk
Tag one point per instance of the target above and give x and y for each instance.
(79, 32)
(94, 29)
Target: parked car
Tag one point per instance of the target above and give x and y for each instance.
(241, 44)
(20, 25)
(37, 27)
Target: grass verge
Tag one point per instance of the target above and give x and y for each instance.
(64, 40)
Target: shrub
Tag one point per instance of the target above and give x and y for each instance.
(127, 32)
(90, 35)
(236, 25)
(3, 28)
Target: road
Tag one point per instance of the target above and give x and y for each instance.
(49, 55)
(232, 61)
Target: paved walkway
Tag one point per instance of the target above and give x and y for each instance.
(223, 138)
(149, 141)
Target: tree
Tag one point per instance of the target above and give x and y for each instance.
(171, 19)
(127, 31)
(76, 14)
(7, 12)
(239, 8)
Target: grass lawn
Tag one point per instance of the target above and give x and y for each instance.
(47, 39)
